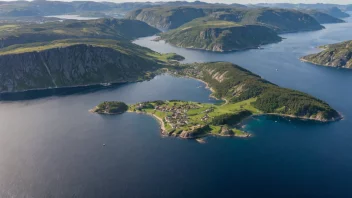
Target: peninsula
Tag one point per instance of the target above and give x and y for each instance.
(335, 55)
(245, 93)
(218, 35)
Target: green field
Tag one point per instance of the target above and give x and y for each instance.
(162, 109)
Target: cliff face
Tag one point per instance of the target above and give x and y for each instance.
(336, 55)
(69, 66)
(222, 39)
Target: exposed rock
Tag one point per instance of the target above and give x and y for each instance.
(335, 55)
(226, 131)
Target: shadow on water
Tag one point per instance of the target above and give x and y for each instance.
(64, 91)
(289, 120)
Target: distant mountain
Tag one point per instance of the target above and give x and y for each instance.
(166, 17)
(216, 35)
(335, 55)
(331, 9)
(336, 12)
(122, 29)
(323, 17)
(43, 8)
(280, 20)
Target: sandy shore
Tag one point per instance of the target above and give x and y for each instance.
(160, 120)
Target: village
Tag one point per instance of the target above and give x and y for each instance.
(177, 113)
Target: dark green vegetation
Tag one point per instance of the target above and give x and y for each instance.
(110, 107)
(166, 17)
(334, 10)
(216, 35)
(76, 53)
(323, 17)
(235, 84)
(335, 55)
(280, 20)
(121, 29)
(75, 62)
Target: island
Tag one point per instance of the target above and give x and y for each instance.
(218, 35)
(244, 94)
(110, 107)
(335, 55)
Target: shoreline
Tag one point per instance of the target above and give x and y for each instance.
(340, 117)
(210, 88)
(160, 120)
(322, 65)
(300, 117)
(223, 51)
(163, 129)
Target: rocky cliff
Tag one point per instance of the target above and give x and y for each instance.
(70, 66)
(335, 55)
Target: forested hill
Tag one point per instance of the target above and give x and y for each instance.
(323, 17)
(236, 84)
(121, 29)
(335, 55)
(280, 20)
(215, 35)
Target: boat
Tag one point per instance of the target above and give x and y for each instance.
(105, 84)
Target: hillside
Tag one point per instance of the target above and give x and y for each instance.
(335, 55)
(235, 84)
(323, 17)
(280, 20)
(166, 17)
(44, 8)
(64, 63)
(216, 35)
(121, 29)
(336, 12)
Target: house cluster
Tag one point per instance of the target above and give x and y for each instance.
(206, 116)
(177, 114)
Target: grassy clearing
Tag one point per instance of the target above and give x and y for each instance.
(8, 28)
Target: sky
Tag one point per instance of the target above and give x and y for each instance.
(241, 1)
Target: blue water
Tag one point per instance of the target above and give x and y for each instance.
(51, 146)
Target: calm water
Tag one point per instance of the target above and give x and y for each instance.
(52, 147)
